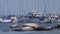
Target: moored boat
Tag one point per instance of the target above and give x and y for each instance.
(32, 27)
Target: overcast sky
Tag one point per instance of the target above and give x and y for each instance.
(22, 7)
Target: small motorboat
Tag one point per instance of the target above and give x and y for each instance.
(27, 27)
(31, 27)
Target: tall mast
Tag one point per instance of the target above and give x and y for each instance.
(22, 6)
(18, 7)
(7, 7)
(4, 7)
(38, 6)
(34, 6)
(26, 2)
(0, 7)
(44, 7)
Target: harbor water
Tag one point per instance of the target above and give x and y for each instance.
(5, 29)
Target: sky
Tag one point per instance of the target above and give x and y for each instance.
(22, 7)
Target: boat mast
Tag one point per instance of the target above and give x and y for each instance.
(34, 7)
(44, 7)
(22, 6)
(38, 5)
(18, 7)
(0, 7)
(7, 7)
(26, 5)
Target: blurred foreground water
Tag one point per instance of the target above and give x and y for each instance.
(33, 32)
(5, 29)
